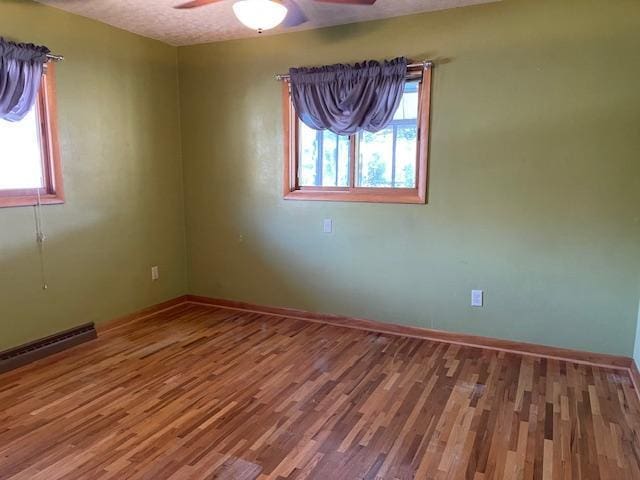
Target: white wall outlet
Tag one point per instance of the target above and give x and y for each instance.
(327, 225)
(155, 273)
(477, 298)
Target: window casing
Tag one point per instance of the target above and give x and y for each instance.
(35, 140)
(390, 166)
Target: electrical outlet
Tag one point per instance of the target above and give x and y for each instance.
(327, 225)
(477, 298)
(155, 273)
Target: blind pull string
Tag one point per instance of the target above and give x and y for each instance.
(40, 239)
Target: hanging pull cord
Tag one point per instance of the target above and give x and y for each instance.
(40, 239)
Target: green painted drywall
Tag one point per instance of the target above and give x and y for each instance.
(120, 137)
(534, 190)
(636, 348)
(534, 193)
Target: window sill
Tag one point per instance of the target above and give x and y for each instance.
(367, 195)
(30, 200)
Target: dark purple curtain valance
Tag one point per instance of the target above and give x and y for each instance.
(20, 75)
(348, 99)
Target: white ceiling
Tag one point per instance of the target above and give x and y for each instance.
(157, 19)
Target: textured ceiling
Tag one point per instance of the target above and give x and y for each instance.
(157, 19)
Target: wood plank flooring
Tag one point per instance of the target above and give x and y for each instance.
(202, 393)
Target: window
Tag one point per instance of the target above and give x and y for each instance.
(29, 153)
(388, 166)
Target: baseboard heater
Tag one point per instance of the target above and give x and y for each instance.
(32, 351)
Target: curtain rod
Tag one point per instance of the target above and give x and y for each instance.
(423, 64)
(54, 58)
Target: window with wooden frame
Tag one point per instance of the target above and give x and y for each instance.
(30, 167)
(390, 166)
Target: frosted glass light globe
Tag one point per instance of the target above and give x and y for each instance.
(260, 14)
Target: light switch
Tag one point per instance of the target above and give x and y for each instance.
(327, 225)
(477, 298)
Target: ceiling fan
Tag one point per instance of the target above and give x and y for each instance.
(266, 14)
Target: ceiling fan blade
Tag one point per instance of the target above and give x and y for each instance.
(295, 15)
(196, 3)
(349, 2)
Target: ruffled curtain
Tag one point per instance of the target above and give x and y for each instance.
(20, 75)
(348, 99)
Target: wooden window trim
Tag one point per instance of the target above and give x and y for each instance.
(53, 191)
(293, 191)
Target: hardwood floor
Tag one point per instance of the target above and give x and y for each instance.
(200, 393)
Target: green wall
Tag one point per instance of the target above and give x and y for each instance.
(534, 191)
(120, 137)
(636, 349)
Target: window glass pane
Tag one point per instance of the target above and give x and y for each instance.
(376, 153)
(406, 154)
(309, 150)
(324, 158)
(388, 158)
(408, 108)
(20, 158)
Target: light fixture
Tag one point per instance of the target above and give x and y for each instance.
(260, 14)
